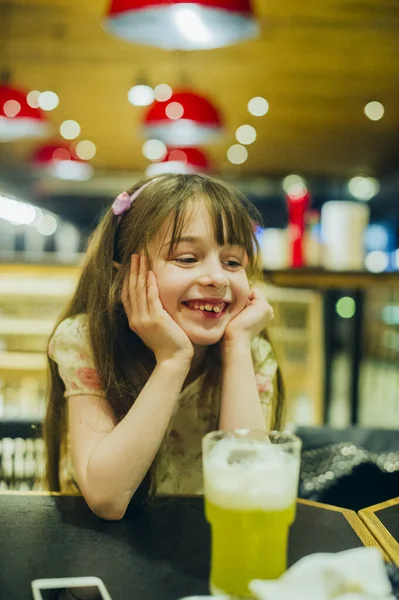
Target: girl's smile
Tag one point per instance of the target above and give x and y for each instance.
(208, 308)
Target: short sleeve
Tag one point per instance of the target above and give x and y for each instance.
(70, 348)
(265, 365)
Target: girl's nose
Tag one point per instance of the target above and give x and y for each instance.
(213, 275)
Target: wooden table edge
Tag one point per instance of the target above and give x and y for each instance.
(380, 506)
(379, 531)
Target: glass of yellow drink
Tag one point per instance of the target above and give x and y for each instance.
(250, 486)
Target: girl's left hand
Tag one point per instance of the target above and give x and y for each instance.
(251, 320)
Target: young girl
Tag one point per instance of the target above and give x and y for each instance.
(163, 341)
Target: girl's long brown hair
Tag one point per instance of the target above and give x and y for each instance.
(121, 358)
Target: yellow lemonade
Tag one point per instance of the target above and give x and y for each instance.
(246, 545)
(250, 488)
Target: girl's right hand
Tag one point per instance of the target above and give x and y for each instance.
(148, 318)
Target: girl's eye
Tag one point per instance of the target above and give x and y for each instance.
(233, 264)
(188, 260)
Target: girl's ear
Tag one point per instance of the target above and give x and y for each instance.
(117, 265)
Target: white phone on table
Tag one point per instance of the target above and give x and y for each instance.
(70, 588)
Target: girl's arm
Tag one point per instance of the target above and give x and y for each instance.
(240, 403)
(111, 460)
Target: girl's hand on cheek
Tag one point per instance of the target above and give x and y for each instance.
(254, 317)
(147, 317)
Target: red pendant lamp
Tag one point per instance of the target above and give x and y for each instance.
(18, 119)
(180, 160)
(186, 119)
(182, 24)
(59, 160)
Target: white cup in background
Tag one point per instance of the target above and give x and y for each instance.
(343, 224)
(274, 247)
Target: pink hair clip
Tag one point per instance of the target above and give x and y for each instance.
(121, 203)
(124, 201)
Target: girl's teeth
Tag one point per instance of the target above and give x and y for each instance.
(209, 307)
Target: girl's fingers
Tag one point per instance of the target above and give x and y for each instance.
(254, 293)
(142, 300)
(132, 285)
(154, 301)
(256, 298)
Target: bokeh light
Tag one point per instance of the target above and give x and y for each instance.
(48, 100)
(85, 150)
(154, 149)
(374, 110)
(346, 307)
(258, 106)
(70, 129)
(163, 92)
(237, 154)
(141, 95)
(48, 225)
(363, 188)
(174, 111)
(246, 134)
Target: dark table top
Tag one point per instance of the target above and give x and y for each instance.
(157, 553)
(389, 517)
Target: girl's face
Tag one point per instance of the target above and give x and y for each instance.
(202, 285)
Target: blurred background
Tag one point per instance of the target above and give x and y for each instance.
(296, 104)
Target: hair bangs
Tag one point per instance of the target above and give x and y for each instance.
(179, 221)
(233, 224)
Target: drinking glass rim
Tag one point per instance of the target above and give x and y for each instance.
(290, 438)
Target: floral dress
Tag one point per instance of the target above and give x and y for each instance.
(70, 349)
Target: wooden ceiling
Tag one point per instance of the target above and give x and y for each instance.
(317, 62)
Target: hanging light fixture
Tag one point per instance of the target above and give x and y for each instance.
(186, 119)
(180, 160)
(18, 119)
(59, 160)
(182, 24)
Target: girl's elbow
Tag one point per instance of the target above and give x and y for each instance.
(109, 511)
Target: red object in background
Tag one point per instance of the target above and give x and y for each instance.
(53, 152)
(122, 6)
(297, 207)
(180, 160)
(18, 119)
(60, 160)
(182, 24)
(186, 119)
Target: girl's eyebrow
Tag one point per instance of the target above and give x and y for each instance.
(189, 239)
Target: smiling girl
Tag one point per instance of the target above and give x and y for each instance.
(163, 341)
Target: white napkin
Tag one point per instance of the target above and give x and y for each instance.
(357, 574)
